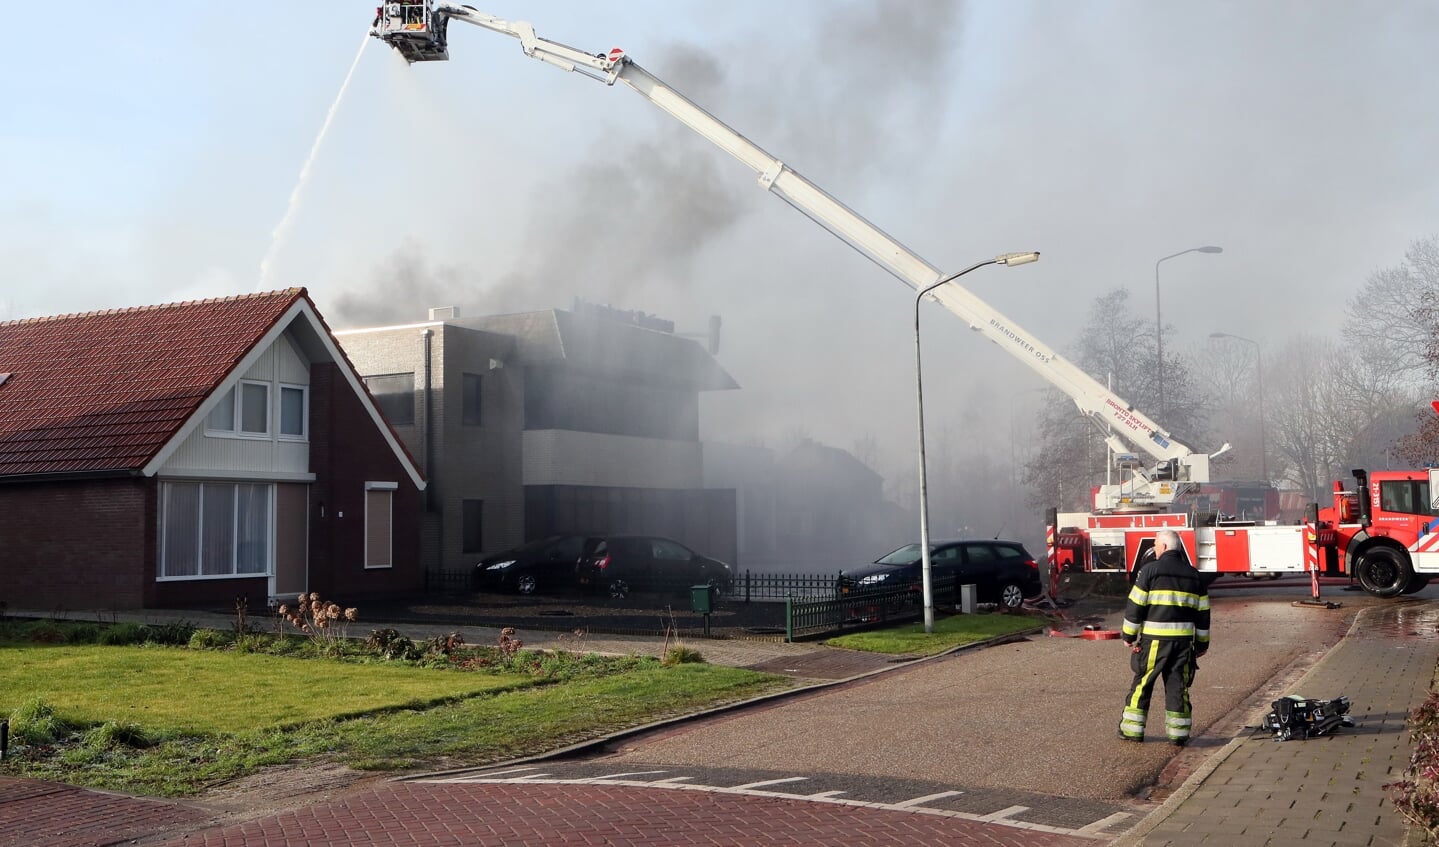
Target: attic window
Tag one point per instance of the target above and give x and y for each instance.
(3, 378)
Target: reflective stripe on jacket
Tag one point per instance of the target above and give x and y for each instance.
(1168, 600)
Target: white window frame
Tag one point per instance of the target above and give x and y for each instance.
(304, 412)
(237, 394)
(269, 571)
(391, 487)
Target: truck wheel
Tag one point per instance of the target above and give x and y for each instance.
(1416, 584)
(1384, 572)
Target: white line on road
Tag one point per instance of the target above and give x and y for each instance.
(1004, 813)
(749, 785)
(920, 801)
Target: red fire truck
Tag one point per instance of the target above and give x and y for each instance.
(1384, 534)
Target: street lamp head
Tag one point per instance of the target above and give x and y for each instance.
(1219, 335)
(1012, 259)
(1210, 249)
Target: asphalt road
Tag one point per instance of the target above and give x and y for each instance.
(1023, 733)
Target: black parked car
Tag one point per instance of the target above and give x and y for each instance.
(624, 563)
(547, 565)
(1002, 572)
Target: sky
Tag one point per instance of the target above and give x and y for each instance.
(148, 155)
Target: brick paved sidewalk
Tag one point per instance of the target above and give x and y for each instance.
(53, 815)
(413, 814)
(1322, 791)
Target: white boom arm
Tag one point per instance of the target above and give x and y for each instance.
(1177, 463)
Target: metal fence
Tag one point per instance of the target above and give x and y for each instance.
(774, 587)
(745, 587)
(448, 582)
(863, 607)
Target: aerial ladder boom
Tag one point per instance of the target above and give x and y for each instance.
(1157, 486)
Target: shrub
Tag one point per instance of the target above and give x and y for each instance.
(35, 722)
(173, 634)
(325, 624)
(509, 643)
(681, 655)
(124, 633)
(390, 644)
(111, 735)
(208, 639)
(83, 633)
(45, 632)
(1416, 796)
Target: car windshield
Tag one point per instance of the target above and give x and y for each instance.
(906, 555)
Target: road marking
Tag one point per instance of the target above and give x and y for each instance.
(749, 785)
(627, 773)
(1103, 824)
(677, 783)
(919, 801)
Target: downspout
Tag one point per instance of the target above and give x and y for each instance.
(428, 434)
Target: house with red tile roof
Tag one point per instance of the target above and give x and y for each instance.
(185, 455)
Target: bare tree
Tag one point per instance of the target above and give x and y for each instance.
(1333, 410)
(1118, 348)
(1230, 378)
(1393, 320)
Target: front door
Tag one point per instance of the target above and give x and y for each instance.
(292, 537)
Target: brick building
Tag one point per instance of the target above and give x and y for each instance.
(187, 454)
(556, 421)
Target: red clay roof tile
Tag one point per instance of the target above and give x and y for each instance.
(104, 391)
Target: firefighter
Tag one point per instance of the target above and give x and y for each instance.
(1166, 625)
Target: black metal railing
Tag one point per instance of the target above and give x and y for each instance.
(859, 607)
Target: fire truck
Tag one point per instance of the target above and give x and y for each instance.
(1379, 532)
(1383, 533)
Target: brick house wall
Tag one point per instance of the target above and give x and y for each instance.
(346, 451)
(76, 545)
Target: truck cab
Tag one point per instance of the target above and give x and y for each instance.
(1385, 530)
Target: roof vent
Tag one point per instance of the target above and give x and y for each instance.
(3, 378)
(444, 313)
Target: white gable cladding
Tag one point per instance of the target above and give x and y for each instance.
(201, 455)
(565, 457)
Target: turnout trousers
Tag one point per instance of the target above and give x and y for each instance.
(1174, 660)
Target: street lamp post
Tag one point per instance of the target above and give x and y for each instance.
(1259, 382)
(1008, 259)
(1159, 321)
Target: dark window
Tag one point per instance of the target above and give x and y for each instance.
(470, 416)
(669, 551)
(472, 526)
(395, 395)
(981, 553)
(1408, 497)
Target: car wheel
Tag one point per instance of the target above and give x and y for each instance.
(1011, 596)
(619, 589)
(526, 584)
(1384, 572)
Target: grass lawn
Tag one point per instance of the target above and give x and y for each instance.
(200, 717)
(952, 631)
(169, 690)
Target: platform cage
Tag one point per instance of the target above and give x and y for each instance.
(416, 30)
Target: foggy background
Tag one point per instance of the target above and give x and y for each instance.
(151, 159)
